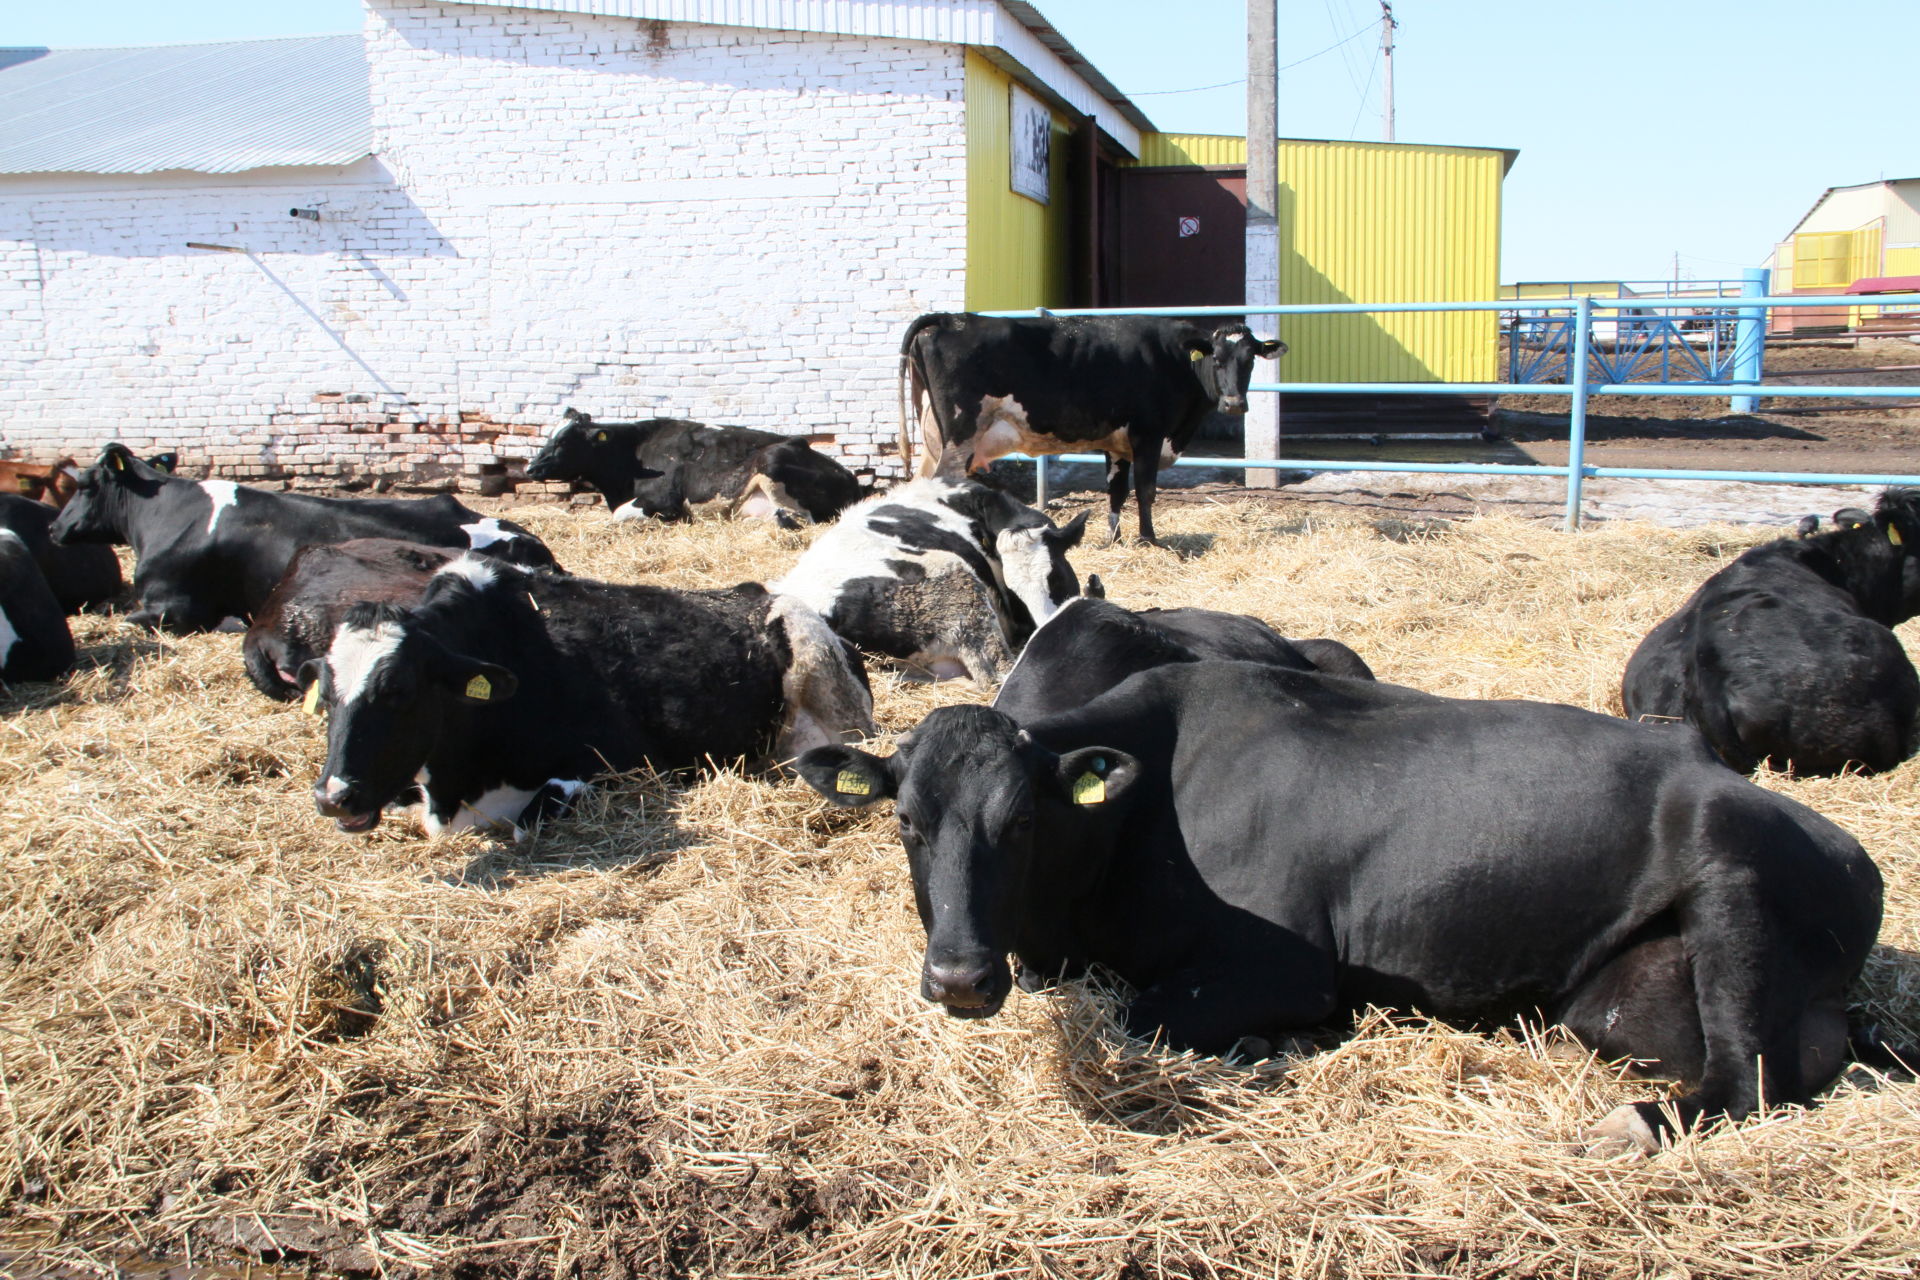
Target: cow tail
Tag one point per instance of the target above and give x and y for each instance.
(911, 370)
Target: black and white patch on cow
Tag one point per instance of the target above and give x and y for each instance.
(948, 576)
(212, 550)
(1259, 851)
(494, 697)
(35, 643)
(664, 468)
(81, 576)
(1135, 388)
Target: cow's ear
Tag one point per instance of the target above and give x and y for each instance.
(1268, 350)
(574, 415)
(1096, 777)
(166, 462)
(1094, 589)
(848, 776)
(1068, 534)
(116, 457)
(1198, 348)
(477, 682)
(312, 678)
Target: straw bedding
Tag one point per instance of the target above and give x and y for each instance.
(679, 1033)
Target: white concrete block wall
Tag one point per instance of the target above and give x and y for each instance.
(634, 218)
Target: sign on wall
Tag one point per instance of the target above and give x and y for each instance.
(1032, 144)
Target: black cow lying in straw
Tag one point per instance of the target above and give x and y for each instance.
(1787, 655)
(209, 550)
(1258, 850)
(504, 690)
(1131, 387)
(659, 467)
(1090, 645)
(948, 576)
(35, 643)
(296, 623)
(79, 576)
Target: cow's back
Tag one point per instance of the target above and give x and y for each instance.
(1332, 810)
(79, 574)
(297, 621)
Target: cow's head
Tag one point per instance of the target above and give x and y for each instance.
(1034, 559)
(996, 829)
(1898, 517)
(1223, 362)
(570, 451)
(391, 691)
(101, 508)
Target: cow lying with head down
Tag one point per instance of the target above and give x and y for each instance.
(947, 576)
(297, 622)
(35, 643)
(209, 550)
(1258, 851)
(1788, 655)
(658, 468)
(503, 690)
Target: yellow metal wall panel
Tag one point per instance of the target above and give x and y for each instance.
(1903, 260)
(1017, 249)
(1378, 222)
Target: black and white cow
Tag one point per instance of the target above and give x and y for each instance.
(299, 617)
(80, 576)
(209, 550)
(1090, 645)
(659, 467)
(1788, 655)
(948, 576)
(1131, 387)
(35, 643)
(504, 690)
(1259, 851)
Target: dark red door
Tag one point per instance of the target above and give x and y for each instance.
(1181, 238)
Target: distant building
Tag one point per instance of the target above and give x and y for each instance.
(1853, 239)
(400, 254)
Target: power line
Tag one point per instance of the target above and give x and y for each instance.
(1363, 100)
(1152, 93)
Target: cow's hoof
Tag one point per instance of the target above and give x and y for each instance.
(1624, 1132)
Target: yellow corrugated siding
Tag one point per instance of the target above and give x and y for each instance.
(1378, 222)
(1017, 249)
(1903, 260)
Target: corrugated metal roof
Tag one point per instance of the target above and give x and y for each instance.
(210, 108)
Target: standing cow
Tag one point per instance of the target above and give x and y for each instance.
(657, 468)
(1131, 387)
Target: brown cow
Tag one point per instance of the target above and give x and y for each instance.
(52, 484)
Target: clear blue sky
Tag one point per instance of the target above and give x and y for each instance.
(1633, 143)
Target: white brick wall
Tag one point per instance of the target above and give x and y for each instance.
(636, 218)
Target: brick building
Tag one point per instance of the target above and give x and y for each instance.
(676, 210)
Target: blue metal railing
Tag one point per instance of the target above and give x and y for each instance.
(1580, 388)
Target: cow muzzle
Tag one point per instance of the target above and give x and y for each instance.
(967, 990)
(1233, 404)
(335, 798)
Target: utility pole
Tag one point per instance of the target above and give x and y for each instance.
(1387, 24)
(1261, 432)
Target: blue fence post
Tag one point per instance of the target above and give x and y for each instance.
(1040, 482)
(1577, 420)
(1750, 337)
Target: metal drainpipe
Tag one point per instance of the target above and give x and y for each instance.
(1750, 338)
(1577, 422)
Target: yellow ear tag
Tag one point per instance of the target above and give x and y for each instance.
(1893, 536)
(1194, 356)
(599, 437)
(119, 462)
(1089, 788)
(311, 704)
(851, 783)
(479, 689)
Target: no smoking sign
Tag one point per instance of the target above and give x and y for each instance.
(1189, 227)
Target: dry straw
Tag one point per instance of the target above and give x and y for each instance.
(679, 1033)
